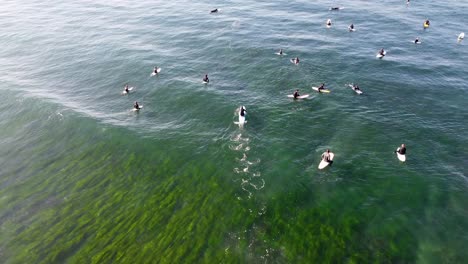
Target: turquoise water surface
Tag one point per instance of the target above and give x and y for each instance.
(84, 179)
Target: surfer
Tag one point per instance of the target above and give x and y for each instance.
(296, 60)
(296, 94)
(326, 156)
(416, 41)
(426, 23)
(280, 52)
(401, 150)
(321, 87)
(351, 27)
(205, 79)
(126, 89)
(335, 8)
(214, 10)
(155, 71)
(356, 88)
(329, 22)
(382, 52)
(136, 106)
(242, 111)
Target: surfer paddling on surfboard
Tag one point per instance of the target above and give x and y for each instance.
(214, 10)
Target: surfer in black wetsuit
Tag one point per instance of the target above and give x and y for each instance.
(126, 88)
(321, 87)
(155, 71)
(242, 111)
(382, 52)
(401, 150)
(280, 52)
(205, 79)
(356, 87)
(296, 60)
(296, 94)
(136, 106)
(326, 156)
(351, 27)
(214, 10)
(416, 41)
(335, 8)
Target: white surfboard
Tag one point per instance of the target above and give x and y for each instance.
(357, 91)
(321, 91)
(401, 157)
(139, 107)
(280, 54)
(293, 61)
(380, 55)
(323, 163)
(205, 82)
(299, 97)
(419, 42)
(158, 70)
(242, 120)
(461, 36)
(351, 29)
(129, 89)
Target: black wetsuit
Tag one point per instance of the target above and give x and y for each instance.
(214, 11)
(242, 112)
(296, 95)
(206, 79)
(402, 150)
(136, 106)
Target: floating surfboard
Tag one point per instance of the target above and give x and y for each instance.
(380, 55)
(321, 91)
(299, 97)
(293, 61)
(323, 163)
(158, 70)
(401, 157)
(357, 91)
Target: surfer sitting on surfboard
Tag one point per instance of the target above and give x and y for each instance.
(136, 106)
(321, 87)
(155, 71)
(401, 150)
(382, 52)
(326, 156)
(416, 41)
(205, 79)
(242, 111)
(126, 88)
(351, 27)
(280, 52)
(296, 94)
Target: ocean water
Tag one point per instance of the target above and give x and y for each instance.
(83, 179)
